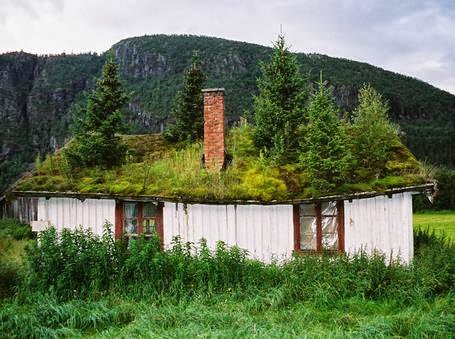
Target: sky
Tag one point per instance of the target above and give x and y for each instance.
(412, 37)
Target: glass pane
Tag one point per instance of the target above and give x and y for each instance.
(130, 226)
(130, 210)
(329, 233)
(149, 210)
(149, 226)
(308, 209)
(307, 233)
(329, 208)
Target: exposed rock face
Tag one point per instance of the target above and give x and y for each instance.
(38, 93)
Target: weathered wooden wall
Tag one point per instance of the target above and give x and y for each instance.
(24, 209)
(71, 213)
(380, 223)
(266, 232)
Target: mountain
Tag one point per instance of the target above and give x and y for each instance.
(39, 94)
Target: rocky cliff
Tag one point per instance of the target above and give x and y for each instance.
(38, 94)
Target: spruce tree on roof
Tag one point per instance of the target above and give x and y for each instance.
(96, 142)
(325, 155)
(189, 105)
(279, 108)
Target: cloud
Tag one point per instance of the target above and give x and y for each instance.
(412, 37)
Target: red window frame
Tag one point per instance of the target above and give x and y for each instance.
(319, 216)
(119, 218)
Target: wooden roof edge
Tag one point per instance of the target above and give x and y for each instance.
(428, 187)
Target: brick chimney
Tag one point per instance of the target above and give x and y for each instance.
(214, 149)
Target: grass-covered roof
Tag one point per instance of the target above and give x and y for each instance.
(175, 171)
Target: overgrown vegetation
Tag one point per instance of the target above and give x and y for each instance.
(95, 141)
(188, 106)
(175, 170)
(141, 289)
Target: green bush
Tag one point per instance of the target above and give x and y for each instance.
(15, 229)
(445, 198)
(10, 278)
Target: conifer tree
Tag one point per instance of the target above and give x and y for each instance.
(279, 108)
(373, 133)
(96, 142)
(325, 154)
(189, 105)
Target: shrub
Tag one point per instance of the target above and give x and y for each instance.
(15, 229)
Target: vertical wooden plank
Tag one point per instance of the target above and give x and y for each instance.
(340, 224)
(160, 223)
(296, 223)
(118, 219)
(318, 228)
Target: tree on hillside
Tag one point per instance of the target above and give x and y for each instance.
(96, 142)
(189, 105)
(325, 155)
(279, 108)
(373, 133)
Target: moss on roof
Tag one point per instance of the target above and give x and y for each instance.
(157, 168)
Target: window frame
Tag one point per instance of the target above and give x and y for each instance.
(120, 218)
(319, 249)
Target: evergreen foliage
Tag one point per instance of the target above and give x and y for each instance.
(96, 142)
(372, 133)
(279, 108)
(188, 109)
(325, 155)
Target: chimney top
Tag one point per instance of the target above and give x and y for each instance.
(205, 90)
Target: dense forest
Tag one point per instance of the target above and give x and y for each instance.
(40, 94)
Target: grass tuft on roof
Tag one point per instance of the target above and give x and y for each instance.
(157, 168)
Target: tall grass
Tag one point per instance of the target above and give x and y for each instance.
(80, 264)
(79, 283)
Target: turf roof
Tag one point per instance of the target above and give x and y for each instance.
(156, 168)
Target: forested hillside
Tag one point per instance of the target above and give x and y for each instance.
(39, 94)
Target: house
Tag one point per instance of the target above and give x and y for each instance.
(273, 229)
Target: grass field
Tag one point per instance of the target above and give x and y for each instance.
(442, 222)
(317, 299)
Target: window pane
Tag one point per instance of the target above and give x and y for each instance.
(149, 210)
(130, 226)
(307, 233)
(308, 209)
(329, 208)
(130, 210)
(329, 233)
(149, 226)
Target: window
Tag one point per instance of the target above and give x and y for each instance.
(319, 227)
(134, 218)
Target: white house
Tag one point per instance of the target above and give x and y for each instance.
(369, 221)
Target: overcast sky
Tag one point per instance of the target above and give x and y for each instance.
(412, 37)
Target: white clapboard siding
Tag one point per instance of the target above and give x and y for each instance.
(266, 232)
(72, 213)
(380, 223)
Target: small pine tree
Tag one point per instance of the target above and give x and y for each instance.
(325, 156)
(96, 142)
(373, 133)
(279, 109)
(189, 105)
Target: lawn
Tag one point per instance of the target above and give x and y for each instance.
(442, 222)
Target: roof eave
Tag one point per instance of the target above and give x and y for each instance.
(428, 188)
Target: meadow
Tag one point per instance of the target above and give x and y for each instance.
(92, 286)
